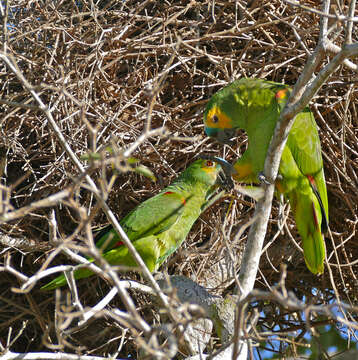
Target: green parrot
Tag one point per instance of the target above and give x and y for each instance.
(159, 225)
(254, 105)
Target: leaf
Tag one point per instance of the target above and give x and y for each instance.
(143, 170)
(129, 164)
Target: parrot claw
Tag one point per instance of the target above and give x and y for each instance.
(263, 179)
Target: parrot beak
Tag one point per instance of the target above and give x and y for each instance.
(223, 136)
(225, 175)
(224, 180)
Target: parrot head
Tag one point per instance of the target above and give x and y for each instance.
(205, 171)
(225, 174)
(218, 119)
(227, 110)
(211, 171)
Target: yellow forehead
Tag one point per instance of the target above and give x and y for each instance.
(224, 121)
(210, 170)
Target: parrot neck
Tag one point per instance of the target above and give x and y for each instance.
(259, 128)
(191, 189)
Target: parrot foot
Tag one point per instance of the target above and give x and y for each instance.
(263, 179)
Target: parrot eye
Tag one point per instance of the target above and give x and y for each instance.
(215, 119)
(210, 163)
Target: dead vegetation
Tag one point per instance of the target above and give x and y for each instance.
(109, 72)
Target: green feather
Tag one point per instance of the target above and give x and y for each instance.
(254, 105)
(159, 225)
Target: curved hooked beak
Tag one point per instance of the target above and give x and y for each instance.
(223, 136)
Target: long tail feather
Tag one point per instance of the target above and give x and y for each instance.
(309, 218)
(314, 249)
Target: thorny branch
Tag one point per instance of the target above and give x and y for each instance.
(143, 91)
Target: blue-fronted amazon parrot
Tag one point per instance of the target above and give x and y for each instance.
(159, 225)
(254, 105)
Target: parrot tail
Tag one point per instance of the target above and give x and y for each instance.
(309, 218)
(61, 280)
(324, 225)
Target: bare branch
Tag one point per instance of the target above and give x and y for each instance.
(103, 74)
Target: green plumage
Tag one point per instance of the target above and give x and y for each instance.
(255, 105)
(159, 225)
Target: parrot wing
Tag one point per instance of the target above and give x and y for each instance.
(303, 141)
(151, 217)
(147, 247)
(304, 144)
